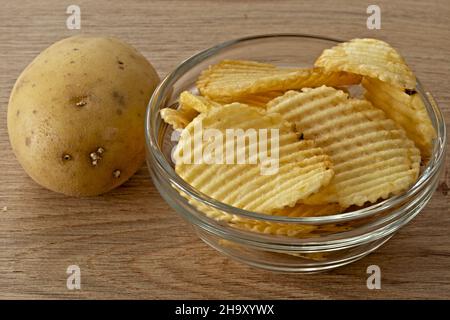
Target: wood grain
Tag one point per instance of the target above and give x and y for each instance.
(129, 243)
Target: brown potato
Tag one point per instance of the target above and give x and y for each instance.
(76, 114)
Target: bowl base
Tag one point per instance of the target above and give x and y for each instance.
(289, 262)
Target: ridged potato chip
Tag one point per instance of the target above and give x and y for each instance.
(231, 79)
(307, 210)
(200, 104)
(407, 110)
(254, 100)
(190, 106)
(368, 57)
(275, 228)
(302, 169)
(293, 104)
(372, 156)
(178, 118)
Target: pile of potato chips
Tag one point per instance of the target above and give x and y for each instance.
(336, 152)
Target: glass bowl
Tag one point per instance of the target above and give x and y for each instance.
(317, 243)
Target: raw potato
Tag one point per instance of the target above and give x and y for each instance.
(76, 114)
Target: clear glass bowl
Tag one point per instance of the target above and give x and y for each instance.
(336, 240)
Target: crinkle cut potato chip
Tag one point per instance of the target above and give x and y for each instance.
(368, 57)
(189, 107)
(176, 118)
(203, 104)
(200, 104)
(291, 230)
(306, 103)
(301, 168)
(307, 210)
(255, 100)
(252, 225)
(230, 79)
(281, 229)
(406, 109)
(372, 156)
(276, 228)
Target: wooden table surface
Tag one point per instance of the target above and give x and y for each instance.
(129, 243)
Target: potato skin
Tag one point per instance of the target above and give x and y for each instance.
(76, 115)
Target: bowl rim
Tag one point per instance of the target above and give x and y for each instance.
(152, 135)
